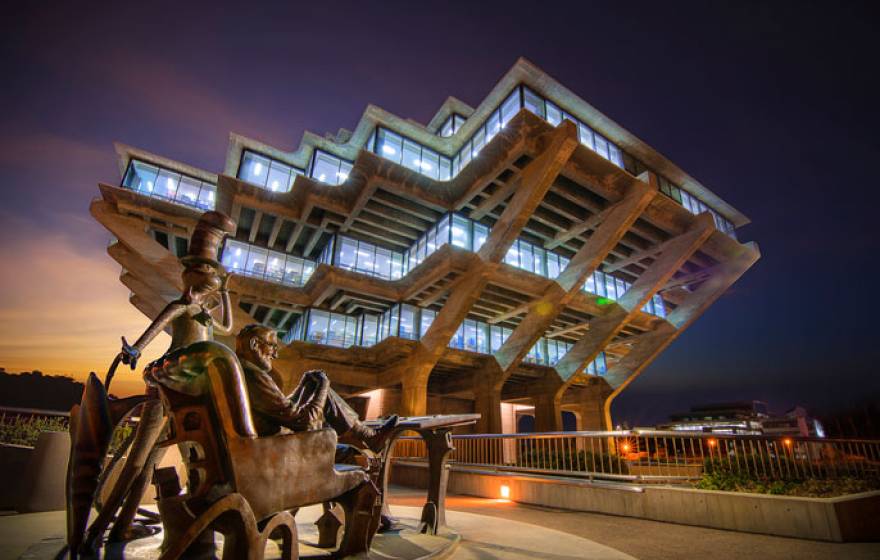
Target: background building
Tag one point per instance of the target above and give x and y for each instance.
(526, 251)
(745, 418)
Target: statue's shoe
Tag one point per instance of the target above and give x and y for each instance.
(376, 441)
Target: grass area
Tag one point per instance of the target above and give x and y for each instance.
(718, 475)
(24, 430)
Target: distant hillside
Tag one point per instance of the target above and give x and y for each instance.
(32, 389)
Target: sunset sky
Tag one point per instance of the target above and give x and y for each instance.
(772, 107)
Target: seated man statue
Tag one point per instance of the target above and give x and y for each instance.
(312, 404)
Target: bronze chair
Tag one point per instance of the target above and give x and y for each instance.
(244, 486)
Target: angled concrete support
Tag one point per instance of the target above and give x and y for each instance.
(536, 179)
(605, 327)
(543, 311)
(651, 344)
(547, 398)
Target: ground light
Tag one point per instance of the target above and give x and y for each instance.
(505, 492)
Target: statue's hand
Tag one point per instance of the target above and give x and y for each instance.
(129, 354)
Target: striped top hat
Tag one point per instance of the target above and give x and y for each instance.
(204, 244)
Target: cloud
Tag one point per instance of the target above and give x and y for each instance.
(62, 310)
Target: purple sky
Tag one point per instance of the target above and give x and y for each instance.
(771, 106)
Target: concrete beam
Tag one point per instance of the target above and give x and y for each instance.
(651, 344)
(545, 309)
(604, 328)
(537, 177)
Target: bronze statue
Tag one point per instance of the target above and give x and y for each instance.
(310, 405)
(191, 321)
(190, 316)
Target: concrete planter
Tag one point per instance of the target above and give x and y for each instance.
(13, 464)
(849, 518)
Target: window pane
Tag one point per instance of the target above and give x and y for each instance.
(166, 184)
(510, 107)
(411, 155)
(408, 322)
(207, 195)
(188, 190)
(346, 256)
(279, 177)
(275, 267)
(325, 168)
(254, 168)
(460, 232)
(141, 177)
(481, 232)
(533, 102)
(389, 145)
(554, 115)
(369, 329)
(383, 262)
(256, 261)
(318, 325)
(585, 133)
(365, 260)
(427, 318)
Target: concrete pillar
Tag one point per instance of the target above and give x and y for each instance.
(548, 412)
(487, 402)
(414, 395)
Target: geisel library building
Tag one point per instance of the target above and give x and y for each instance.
(527, 256)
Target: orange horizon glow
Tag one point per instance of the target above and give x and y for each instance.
(63, 311)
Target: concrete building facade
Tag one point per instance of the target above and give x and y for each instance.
(525, 251)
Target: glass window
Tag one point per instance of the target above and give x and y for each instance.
(427, 318)
(495, 339)
(256, 262)
(365, 257)
(411, 155)
(188, 190)
(610, 287)
(279, 177)
(554, 115)
(479, 140)
(446, 129)
(443, 230)
(481, 232)
(346, 256)
(510, 107)
(207, 196)
(254, 168)
(408, 322)
(621, 287)
(553, 266)
(343, 173)
(383, 263)
(470, 335)
(585, 134)
(465, 154)
(526, 261)
(141, 177)
(396, 265)
(533, 102)
(389, 145)
(318, 325)
(430, 164)
(460, 232)
(166, 184)
(590, 284)
(493, 125)
(445, 172)
(602, 146)
(275, 266)
(369, 329)
(482, 338)
(512, 256)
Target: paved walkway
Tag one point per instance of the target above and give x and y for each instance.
(652, 540)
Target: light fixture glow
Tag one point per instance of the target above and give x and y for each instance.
(211, 198)
(386, 149)
(505, 492)
(322, 177)
(150, 186)
(238, 252)
(258, 169)
(275, 185)
(169, 182)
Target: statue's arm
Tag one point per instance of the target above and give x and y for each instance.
(225, 326)
(131, 353)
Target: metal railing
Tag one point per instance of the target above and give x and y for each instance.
(658, 456)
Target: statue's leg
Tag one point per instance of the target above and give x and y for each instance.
(148, 430)
(124, 528)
